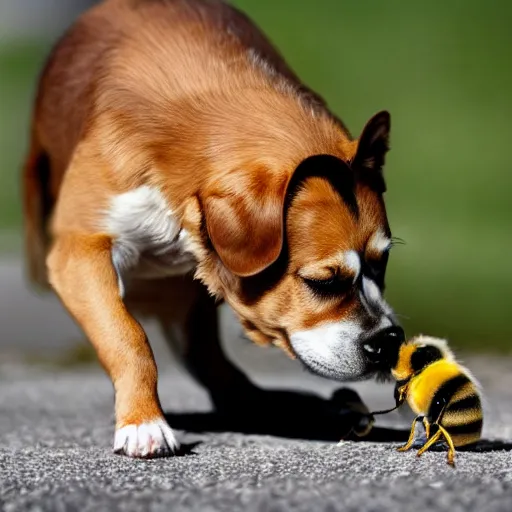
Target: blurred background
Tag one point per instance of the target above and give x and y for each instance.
(443, 71)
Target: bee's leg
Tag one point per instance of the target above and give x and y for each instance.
(422, 438)
(426, 424)
(430, 442)
(410, 441)
(451, 447)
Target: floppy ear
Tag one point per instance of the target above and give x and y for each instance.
(244, 212)
(372, 148)
(244, 220)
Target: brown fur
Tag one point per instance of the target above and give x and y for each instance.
(188, 96)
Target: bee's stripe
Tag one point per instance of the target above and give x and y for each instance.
(465, 439)
(462, 417)
(468, 428)
(470, 402)
(444, 395)
(467, 390)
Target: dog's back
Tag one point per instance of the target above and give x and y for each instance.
(214, 46)
(115, 49)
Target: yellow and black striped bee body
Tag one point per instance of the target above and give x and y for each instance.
(441, 392)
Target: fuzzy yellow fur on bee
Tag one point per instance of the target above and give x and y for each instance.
(441, 392)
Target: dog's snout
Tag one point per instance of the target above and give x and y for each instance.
(382, 348)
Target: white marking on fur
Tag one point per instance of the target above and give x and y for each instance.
(379, 242)
(148, 238)
(352, 262)
(155, 439)
(385, 321)
(372, 299)
(331, 350)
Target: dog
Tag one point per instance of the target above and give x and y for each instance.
(177, 162)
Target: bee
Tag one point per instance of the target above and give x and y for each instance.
(441, 392)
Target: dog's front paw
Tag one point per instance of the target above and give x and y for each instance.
(146, 441)
(349, 403)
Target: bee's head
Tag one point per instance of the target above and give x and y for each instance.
(418, 353)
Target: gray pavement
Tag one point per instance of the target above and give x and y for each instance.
(56, 430)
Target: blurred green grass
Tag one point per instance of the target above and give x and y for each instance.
(443, 71)
(20, 64)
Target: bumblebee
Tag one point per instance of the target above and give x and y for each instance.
(441, 392)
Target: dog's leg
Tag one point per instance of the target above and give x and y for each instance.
(195, 341)
(81, 271)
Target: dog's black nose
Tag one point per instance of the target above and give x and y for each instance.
(383, 347)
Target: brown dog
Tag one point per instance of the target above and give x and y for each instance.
(174, 159)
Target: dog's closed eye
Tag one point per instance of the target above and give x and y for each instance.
(333, 286)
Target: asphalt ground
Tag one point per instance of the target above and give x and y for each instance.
(56, 434)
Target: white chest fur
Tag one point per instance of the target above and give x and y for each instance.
(149, 242)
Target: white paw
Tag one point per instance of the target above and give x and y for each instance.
(148, 440)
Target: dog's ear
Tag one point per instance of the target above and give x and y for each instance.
(244, 220)
(372, 148)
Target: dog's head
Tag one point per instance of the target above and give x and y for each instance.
(304, 256)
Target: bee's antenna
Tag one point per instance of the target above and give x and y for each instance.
(386, 411)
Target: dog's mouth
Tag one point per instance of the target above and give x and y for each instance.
(341, 351)
(335, 370)
(371, 371)
(329, 352)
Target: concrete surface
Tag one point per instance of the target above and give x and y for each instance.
(56, 430)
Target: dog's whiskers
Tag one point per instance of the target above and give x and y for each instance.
(397, 241)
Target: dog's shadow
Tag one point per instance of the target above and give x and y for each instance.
(286, 414)
(301, 416)
(487, 445)
(304, 428)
